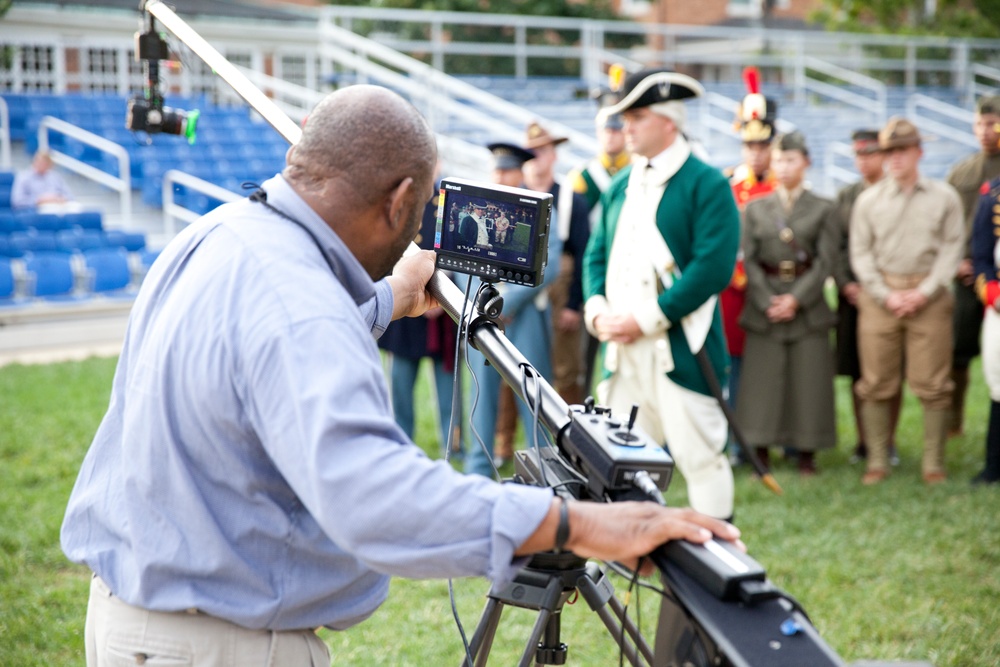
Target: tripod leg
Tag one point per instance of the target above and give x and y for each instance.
(482, 638)
(531, 648)
(599, 594)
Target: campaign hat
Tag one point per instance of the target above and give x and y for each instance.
(988, 104)
(537, 136)
(509, 156)
(898, 133)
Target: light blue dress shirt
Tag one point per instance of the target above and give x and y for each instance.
(249, 465)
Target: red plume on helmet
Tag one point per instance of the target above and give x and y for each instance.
(755, 115)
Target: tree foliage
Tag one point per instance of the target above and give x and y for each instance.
(952, 18)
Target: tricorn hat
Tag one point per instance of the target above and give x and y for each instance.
(898, 133)
(652, 86)
(509, 156)
(756, 114)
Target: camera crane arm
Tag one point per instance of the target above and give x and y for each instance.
(586, 441)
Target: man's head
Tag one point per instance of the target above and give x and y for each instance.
(868, 157)
(508, 160)
(42, 162)
(539, 171)
(986, 123)
(757, 156)
(900, 142)
(365, 164)
(610, 127)
(651, 103)
(790, 159)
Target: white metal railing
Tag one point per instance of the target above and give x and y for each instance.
(874, 103)
(922, 110)
(172, 211)
(439, 93)
(4, 135)
(122, 184)
(837, 176)
(976, 89)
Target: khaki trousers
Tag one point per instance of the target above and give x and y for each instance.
(119, 634)
(692, 425)
(924, 340)
(567, 349)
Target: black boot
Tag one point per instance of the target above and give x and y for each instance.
(991, 471)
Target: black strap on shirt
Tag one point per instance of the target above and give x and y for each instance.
(259, 196)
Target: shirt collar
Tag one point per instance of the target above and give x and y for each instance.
(923, 183)
(667, 163)
(346, 268)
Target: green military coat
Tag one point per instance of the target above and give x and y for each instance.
(697, 217)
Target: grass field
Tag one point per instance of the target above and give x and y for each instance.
(895, 572)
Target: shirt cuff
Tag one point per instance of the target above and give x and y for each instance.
(929, 288)
(384, 303)
(516, 516)
(650, 318)
(596, 305)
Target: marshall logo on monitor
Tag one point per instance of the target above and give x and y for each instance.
(495, 232)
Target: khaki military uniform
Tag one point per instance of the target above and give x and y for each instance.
(901, 240)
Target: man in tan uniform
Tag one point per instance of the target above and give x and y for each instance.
(907, 238)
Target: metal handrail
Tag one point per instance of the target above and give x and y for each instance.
(917, 102)
(976, 89)
(122, 184)
(172, 211)
(503, 117)
(875, 105)
(4, 134)
(835, 174)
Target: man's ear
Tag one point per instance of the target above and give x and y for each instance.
(397, 199)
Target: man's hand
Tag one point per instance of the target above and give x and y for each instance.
(409, 285)
(965, 273)
(617, 328)
(851, 292)
(568, 320)
(626, 531)
(905, 303)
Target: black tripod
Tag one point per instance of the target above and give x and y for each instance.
(548, 581)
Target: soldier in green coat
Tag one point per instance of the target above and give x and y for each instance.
(663, 248)
(790, 247)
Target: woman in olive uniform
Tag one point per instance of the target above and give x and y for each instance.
(790, 247)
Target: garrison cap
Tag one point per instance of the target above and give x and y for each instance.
(865, 141)
(792, 141)
(509, 156)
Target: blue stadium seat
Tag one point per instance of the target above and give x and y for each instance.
(6, 185)
(109, 269)
(74, 240)
(86, 220)
(7, 249)
(131, 241)
(54, 278)
(7, 283)
(11, 222)
(33, 241)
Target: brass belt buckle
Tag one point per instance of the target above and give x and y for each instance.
(786, 271)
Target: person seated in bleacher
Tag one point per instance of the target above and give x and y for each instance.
(39, 185)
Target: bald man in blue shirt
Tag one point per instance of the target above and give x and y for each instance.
(248, 483)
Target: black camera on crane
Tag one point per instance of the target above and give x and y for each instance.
(146, 112)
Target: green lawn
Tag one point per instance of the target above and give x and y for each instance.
(895, 572)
